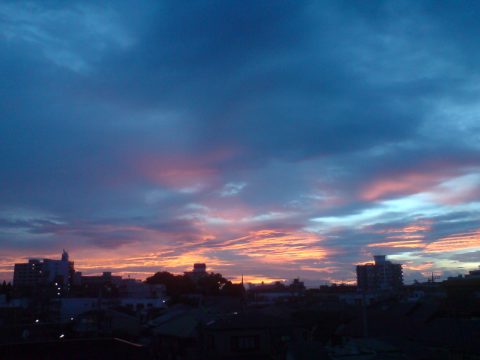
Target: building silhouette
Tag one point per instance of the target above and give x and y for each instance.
(37, 272)
(381, 275)
(199, 271)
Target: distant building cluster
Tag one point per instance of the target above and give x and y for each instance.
(381, 275)
(378, 319)
(472, 275)
(76, 293)
(61, 274)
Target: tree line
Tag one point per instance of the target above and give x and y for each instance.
(210, 284)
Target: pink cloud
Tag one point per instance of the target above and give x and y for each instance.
(183, 170)
(423, 177)
(405, 184)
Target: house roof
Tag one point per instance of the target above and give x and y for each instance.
(74, 349)
(246, 321)
(182, 326)
(179, 322)
(421, 324)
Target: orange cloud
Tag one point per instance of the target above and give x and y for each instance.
(399, 244)
(325, 270)
(406, 237)
(352, 281)
(277, 246)
(415, 228)
(455, 242)
(418, 267)
(411, 236)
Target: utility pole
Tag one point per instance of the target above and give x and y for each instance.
(364, 314)
(434, 277)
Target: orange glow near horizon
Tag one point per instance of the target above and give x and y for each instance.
(257, 247)
(325, 270)
(364, 263)
(256, 279)
(160, 262)
(282, 251)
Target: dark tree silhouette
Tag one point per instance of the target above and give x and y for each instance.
(175, 284)
(233, 290)
(211, 284)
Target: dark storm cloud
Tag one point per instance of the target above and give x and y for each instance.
(260, 77)
(264, 78)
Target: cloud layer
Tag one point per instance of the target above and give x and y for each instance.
(270, 139)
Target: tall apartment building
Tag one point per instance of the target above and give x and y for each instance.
(381, 275)
(44, 271)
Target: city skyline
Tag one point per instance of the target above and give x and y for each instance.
(275, 140)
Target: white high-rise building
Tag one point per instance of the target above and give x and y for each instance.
(44, 271)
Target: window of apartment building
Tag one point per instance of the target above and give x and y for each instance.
(245, 343)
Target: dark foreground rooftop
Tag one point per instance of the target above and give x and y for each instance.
(75, 349)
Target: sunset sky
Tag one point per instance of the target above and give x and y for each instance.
(274, 139)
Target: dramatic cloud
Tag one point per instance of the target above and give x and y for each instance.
(269, 139)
